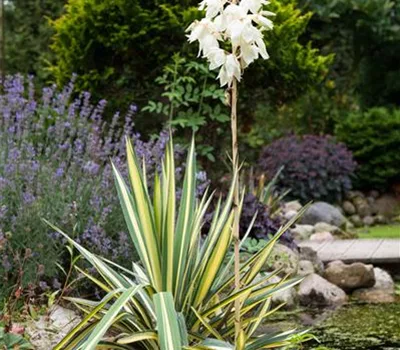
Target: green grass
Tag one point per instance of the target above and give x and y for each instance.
(384, 231)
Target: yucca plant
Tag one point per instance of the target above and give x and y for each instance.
(266, 191)
(181, 293)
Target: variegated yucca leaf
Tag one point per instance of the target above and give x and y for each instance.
(180, 294)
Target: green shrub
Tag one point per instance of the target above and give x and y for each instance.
(379, 81)
(115, 46)
(270, 90)
(313, 113)
(374, 138)
(118, 48)
(192, 100)
(364, 36)
(294, 67)
(27, 35)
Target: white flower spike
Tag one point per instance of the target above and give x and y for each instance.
(238, 24)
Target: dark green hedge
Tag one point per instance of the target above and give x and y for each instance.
(374, 138)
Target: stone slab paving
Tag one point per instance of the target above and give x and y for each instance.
(371, 251)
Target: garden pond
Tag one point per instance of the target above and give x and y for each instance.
(355, 326)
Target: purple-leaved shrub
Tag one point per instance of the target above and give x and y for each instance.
(265, 225)
(314, 167)
(55, 153)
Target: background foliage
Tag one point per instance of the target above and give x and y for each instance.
(28, 34)
(374, 138)
(120, 63)
(313, 167)
(118, 48)
(365, 36)
(193, 101)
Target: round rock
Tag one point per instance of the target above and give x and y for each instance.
(283, 258)
(383, 290)
(287, 296)
(292, 206)
(324, 227)
(317, 291)
(306, 268)
(350, 277)
(322, 236)
(308, 253)
(323, 212)
(368, 221)
(349, 208)
(302, 232)
(356, 220)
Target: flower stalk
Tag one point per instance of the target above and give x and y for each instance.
(236, 238)
(240, 24)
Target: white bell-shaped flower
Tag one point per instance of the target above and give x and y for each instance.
(253, 6)
(262, 49)
(235, 24)
(263, 21)
(251, 33)
(248, 54)
(205, 33)
(233, 12)
(230, 70)
(235, 30)
(220, 23)
(212, 7)
(217, 58)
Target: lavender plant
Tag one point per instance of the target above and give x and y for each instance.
(54, 163)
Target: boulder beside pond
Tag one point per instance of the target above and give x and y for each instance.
(323, 212)
(322, 236)
(302, 232)
(283, 258)
(317, 291)
(306, 268)
(383, 290)
(310, 254)
(287, 296)
(350, 276)
(372, 295)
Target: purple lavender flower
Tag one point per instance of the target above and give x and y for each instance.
(55, 153)
(3, 211)
(28, 198)
(6, 264)
(59, 172)
(43, 285)
(91, 168)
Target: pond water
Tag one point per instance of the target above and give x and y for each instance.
(352, 327)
